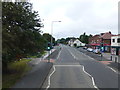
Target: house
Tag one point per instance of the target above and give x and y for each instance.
(115, 47)
(94, 41)
(102, 39)
(70, 42)
(75, 42)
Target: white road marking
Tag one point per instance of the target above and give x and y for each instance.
(107, 66)
(87, 56)
(93, 82)
(50, 76)
(53, 70)
(72, 54)
(67, 65)
(113, 70)
(59, 53)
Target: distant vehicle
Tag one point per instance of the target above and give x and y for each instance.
(84, 47)
(97, 51)
(90, 49)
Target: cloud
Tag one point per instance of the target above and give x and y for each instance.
(78, 16)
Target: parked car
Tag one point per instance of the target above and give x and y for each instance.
(97, 51)
(90, 49)
(84, 47)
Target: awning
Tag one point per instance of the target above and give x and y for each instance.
(93, 44)
(97, 44)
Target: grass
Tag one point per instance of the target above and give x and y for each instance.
(38, 55)
(17, 70)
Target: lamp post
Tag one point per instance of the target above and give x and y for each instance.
(52, 32)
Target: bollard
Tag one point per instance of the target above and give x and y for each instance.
(111, 58)
(115, 59)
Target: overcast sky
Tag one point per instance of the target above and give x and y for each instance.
(78, 16)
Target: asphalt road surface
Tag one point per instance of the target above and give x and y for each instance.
(73, 69)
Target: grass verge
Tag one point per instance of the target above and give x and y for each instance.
(17, 70)
(38, 55)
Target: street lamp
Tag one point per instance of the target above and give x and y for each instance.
(51, 35)
(52, 32)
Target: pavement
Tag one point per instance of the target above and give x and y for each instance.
(35, 77)
(107, 55)
(74, 69)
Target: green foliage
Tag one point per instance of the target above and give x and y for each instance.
(65, 40)
(62, 40)
(20, 31)
(17, 70)
(84, 38)
(47, 36)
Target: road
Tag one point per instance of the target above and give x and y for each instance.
(73, 69)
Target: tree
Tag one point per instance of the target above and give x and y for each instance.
(84, 38)
(62, 40)
(47, 36)
(20, 35)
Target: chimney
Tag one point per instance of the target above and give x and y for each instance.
(102, 34)
(110, 32)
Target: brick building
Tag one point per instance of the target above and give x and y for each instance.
(102, 38)
(115, 48)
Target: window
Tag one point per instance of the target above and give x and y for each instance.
(118, 40)
(113, 40)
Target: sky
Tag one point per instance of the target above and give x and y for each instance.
(77, 16)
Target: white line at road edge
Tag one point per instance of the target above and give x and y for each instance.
(94, 59)
(93, 82)
(50, 76)
(53, 70)
(91, 77)
(59, 53)
(107, 66)
(113, 70)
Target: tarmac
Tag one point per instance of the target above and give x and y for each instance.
(106, 59)
(40, 70)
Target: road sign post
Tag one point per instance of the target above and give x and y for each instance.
(49, 48)
(102, 49)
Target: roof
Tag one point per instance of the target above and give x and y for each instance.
(98, 44)
(106, 35)
(116, 35)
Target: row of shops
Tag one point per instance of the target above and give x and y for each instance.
(106, 47)
(114, 50)
(108, 43)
